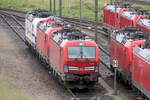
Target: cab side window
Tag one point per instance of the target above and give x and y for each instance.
(56, 37)
(42, 27)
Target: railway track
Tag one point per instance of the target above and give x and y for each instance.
(16, 23)
(84, 23)
(86, 94)
(141, 2)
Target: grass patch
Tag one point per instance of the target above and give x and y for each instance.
(110, 97)
(70, 8)
(125, 98)
(7, 92)
(145, 0)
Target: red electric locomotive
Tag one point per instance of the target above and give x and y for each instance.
(109, 14)
(141, 68)
(126, 16)
(131, 17)
(126, 40)
(71, 55)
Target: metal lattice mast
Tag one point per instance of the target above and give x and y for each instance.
(115, 58)
(80, 13)
(50, 5)
(60, 8)
(54, 8)
(96, 19)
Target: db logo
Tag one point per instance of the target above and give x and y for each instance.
(81, 69)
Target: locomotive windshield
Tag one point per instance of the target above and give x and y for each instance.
(81, 52)
(144, 53)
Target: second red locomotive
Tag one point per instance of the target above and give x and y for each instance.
(133, 55)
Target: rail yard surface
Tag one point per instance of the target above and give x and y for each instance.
(30, 75)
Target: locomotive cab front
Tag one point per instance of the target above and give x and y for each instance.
(82, 62)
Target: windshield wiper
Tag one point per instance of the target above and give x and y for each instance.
(78, 57)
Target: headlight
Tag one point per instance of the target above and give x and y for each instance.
(96, 69)
(65, 68)
(73, 68)
(91, 68)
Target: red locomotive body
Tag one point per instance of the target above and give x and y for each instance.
(126, 16)
(71, 55)
(74, 56)
(45, 28)
(109, 15)
(119, 16)
(126, 39)
(136, 19)
(141, 68)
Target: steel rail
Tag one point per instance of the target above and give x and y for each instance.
(15, 28)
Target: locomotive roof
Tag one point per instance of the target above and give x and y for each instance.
(51, 23)
(119, 5)
(144, 22)
(57, 23)
(129, 14)
(110, 7)
(142, 12)
(70, 34)
(129, 33)
(144, 50)
(39, 13)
